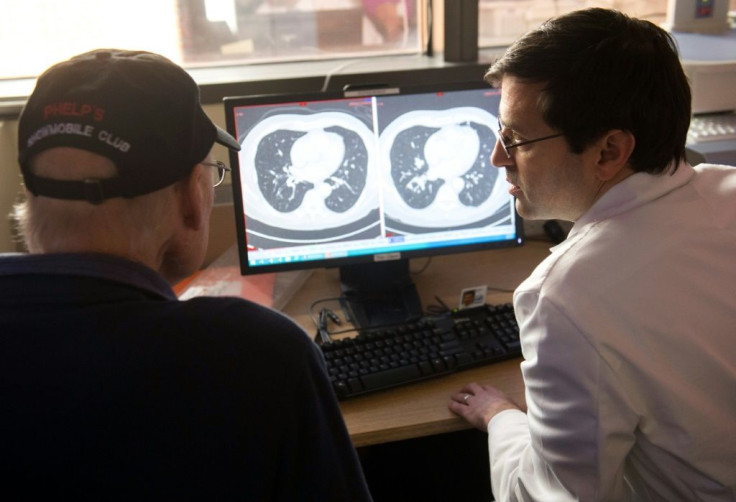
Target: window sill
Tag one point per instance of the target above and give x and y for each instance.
(307, 76)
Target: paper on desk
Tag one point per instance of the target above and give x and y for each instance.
(223, 278)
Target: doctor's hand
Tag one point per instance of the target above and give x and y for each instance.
(478, 404)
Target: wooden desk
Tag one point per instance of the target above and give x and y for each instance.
(421, 409)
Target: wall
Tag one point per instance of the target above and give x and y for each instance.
(9, 182)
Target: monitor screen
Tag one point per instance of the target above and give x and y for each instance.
(369, 178)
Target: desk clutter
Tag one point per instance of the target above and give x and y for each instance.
(426, 348)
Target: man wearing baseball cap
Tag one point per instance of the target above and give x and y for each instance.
(111, 386)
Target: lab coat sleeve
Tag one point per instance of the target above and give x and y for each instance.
(569, 445)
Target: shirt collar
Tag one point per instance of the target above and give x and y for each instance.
(99, 266)
(634, 191)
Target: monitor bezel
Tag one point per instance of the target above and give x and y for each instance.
(233, 102)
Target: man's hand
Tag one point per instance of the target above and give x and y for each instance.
(478, 404)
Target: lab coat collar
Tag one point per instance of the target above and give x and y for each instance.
(634, 191)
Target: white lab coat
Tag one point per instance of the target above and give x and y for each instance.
(628, 334)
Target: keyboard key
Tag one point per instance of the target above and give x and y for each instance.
(391, 377)
(355, 385)
(713, 127)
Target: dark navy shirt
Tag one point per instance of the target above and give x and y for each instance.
(111, 388)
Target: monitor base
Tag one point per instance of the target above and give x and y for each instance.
(379, 294)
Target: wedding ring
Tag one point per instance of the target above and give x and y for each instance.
(466, 397)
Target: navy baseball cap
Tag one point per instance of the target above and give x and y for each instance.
(136, 108)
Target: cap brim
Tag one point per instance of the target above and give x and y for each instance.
(226, 140)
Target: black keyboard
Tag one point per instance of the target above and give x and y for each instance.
(427, 348)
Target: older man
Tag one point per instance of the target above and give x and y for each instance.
(111, 387)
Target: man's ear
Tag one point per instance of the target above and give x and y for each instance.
(192, 199)
(615, 149)
(185, 245)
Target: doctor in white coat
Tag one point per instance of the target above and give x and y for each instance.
(628, 328)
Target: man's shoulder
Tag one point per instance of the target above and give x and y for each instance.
(724, 169)
(237, 317)
(716, 180)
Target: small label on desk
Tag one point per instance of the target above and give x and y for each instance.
(387, 257)
(473, 297)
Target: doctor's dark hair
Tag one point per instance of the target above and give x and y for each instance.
(603, 70)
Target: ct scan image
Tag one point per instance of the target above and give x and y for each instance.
(309, 177)
(438, 171)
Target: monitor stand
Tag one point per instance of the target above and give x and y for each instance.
(379, 294)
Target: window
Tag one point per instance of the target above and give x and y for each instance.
(35, 34)
(500, 22)
(251, 31)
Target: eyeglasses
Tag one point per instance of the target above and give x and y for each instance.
(505, 141)
(220, 173)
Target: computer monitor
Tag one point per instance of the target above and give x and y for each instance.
(365, 180)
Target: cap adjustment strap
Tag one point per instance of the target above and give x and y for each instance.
(94, 191)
